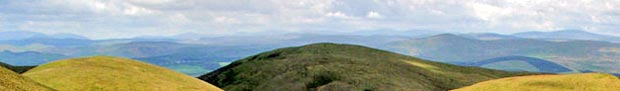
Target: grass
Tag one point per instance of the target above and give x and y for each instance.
(327, 66)
(568, 82)
(102, 73)
(11, 81)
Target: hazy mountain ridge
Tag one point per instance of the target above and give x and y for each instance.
(578, 54)
(564, 35)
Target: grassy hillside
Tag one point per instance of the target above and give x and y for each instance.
(103, 73)
(571, 82)
(11, 81)
(18, 69)
(327, 66)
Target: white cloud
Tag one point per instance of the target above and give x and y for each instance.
(338, 14)
(374, 15)
(230, 16)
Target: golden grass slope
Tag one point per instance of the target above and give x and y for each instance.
(104, 73)
(568, 82)
(11, 81)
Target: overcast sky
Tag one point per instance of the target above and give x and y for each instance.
(128, 18)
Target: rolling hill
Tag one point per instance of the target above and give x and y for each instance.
(342, 67)
(11, 81)
(569, 82)
(577, 54)
(512, 63)
(113, 74)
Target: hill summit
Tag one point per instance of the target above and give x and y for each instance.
(342, 67)
(104, 73)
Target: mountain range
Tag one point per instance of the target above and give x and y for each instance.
(597, 56)
(564, 35)
(312, 67)
(198, 54)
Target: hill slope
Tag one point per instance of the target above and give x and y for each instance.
(540, 64)
(113, 74)
(327, 66)
(18, 69)
(11, 81)
(572, 82)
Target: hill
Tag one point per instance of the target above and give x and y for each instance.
(18, 69)
(513, 63)
(571, 82)
(11, 81)
(580, 55)
(327, 66)
(113, 74)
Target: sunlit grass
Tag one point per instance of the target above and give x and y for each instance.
(103, 73)
(568, 82)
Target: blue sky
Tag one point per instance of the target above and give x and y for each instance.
(102, 19)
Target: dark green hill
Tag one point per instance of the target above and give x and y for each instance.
(327, 66)
(18, 69)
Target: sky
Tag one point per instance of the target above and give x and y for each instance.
(102, 19)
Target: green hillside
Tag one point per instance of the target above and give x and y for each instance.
(18, 69)
(571, 82)
(103, 73)
(11, 81)
(327, 66)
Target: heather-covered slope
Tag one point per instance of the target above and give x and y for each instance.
(327, 66)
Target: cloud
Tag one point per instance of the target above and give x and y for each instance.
(374, 15)
(129, 18)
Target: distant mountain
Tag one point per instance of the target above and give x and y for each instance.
(130, 49)
(49, 41)
(568, 82)
(196, 61)
(568, 35)
(341, 67)
(19, 35)
(11, 81)
(28, 58)
(302, 39)
(23, 38)
(487, 36)
(113, 74)
(67, 36)
(580, 55)
(406, 33)
(522, 63)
